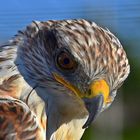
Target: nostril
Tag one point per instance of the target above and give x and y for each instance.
(89, 92)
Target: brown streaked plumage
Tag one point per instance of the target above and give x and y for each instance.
(17, 120)
(56, 76)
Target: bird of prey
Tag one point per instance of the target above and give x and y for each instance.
(56, 77)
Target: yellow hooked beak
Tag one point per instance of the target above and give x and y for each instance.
(97, 95)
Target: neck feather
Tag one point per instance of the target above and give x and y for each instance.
(70, 131)
(65, 118)
(66, 114)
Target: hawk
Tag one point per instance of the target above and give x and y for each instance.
(56, 77)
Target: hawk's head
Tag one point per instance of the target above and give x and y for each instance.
(73, 63)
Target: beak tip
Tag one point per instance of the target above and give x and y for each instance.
(94, 107)
(85, 126)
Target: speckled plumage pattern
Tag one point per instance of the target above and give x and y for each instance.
(28, 60)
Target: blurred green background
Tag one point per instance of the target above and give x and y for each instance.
(122, 120)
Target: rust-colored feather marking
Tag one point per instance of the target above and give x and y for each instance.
(11, 86)
(17, 121)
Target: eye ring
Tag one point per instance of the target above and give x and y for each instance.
(65, 61)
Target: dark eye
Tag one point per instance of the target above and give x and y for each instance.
(66, 62)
